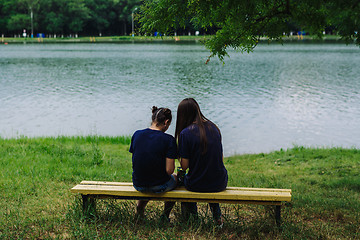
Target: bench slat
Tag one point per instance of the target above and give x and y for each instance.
(228, 188)
(232, 194)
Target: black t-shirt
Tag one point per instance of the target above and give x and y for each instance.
(149, 149)
(207, 172)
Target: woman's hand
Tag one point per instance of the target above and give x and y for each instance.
(184, 162)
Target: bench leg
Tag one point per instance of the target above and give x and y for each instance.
(89, 204)
(278, 215)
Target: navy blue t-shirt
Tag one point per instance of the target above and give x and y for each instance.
(149, 149)
(207, 172)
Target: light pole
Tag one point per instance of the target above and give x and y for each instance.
(32, 22)
(132, 22)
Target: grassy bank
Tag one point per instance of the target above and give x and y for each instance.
(35, 201)
(126, 39)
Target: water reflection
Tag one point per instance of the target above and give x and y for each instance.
(305, 94)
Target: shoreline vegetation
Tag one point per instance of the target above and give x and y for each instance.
(36, 203)
(147, 39)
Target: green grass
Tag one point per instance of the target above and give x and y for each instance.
(37, 174)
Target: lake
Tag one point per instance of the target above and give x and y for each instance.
(276, 97)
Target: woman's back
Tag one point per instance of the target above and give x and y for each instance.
(207, 172)
(150, 149)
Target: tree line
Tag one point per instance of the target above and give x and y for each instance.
(67, 17)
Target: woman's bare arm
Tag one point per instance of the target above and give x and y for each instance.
(170, 166)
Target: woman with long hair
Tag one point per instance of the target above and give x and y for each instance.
(200, 151)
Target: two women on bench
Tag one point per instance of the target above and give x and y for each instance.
(199, 150)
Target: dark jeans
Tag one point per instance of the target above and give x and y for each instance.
(168, 186)
(190, 208)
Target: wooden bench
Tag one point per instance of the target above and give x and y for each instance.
(91, 190)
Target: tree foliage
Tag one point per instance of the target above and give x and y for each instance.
(240, 24)
(87, 17)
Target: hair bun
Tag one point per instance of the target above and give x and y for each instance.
(154, 109)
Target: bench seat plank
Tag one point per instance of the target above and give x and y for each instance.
(230, 194)
(228, 188)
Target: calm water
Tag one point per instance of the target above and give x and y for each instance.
(276, 97)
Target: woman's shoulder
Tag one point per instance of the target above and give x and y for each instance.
(190, 128)
(168, 135)
(140, 131)
(153, 134)
(212, 126)
(161, 135)
(146, 132)
(167, 138)
(190, 131)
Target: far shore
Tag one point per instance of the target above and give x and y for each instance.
(142, 39)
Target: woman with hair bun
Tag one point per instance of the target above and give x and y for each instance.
(200, 151)
(153, 159)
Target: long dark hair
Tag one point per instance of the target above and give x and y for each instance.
(188, 112)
